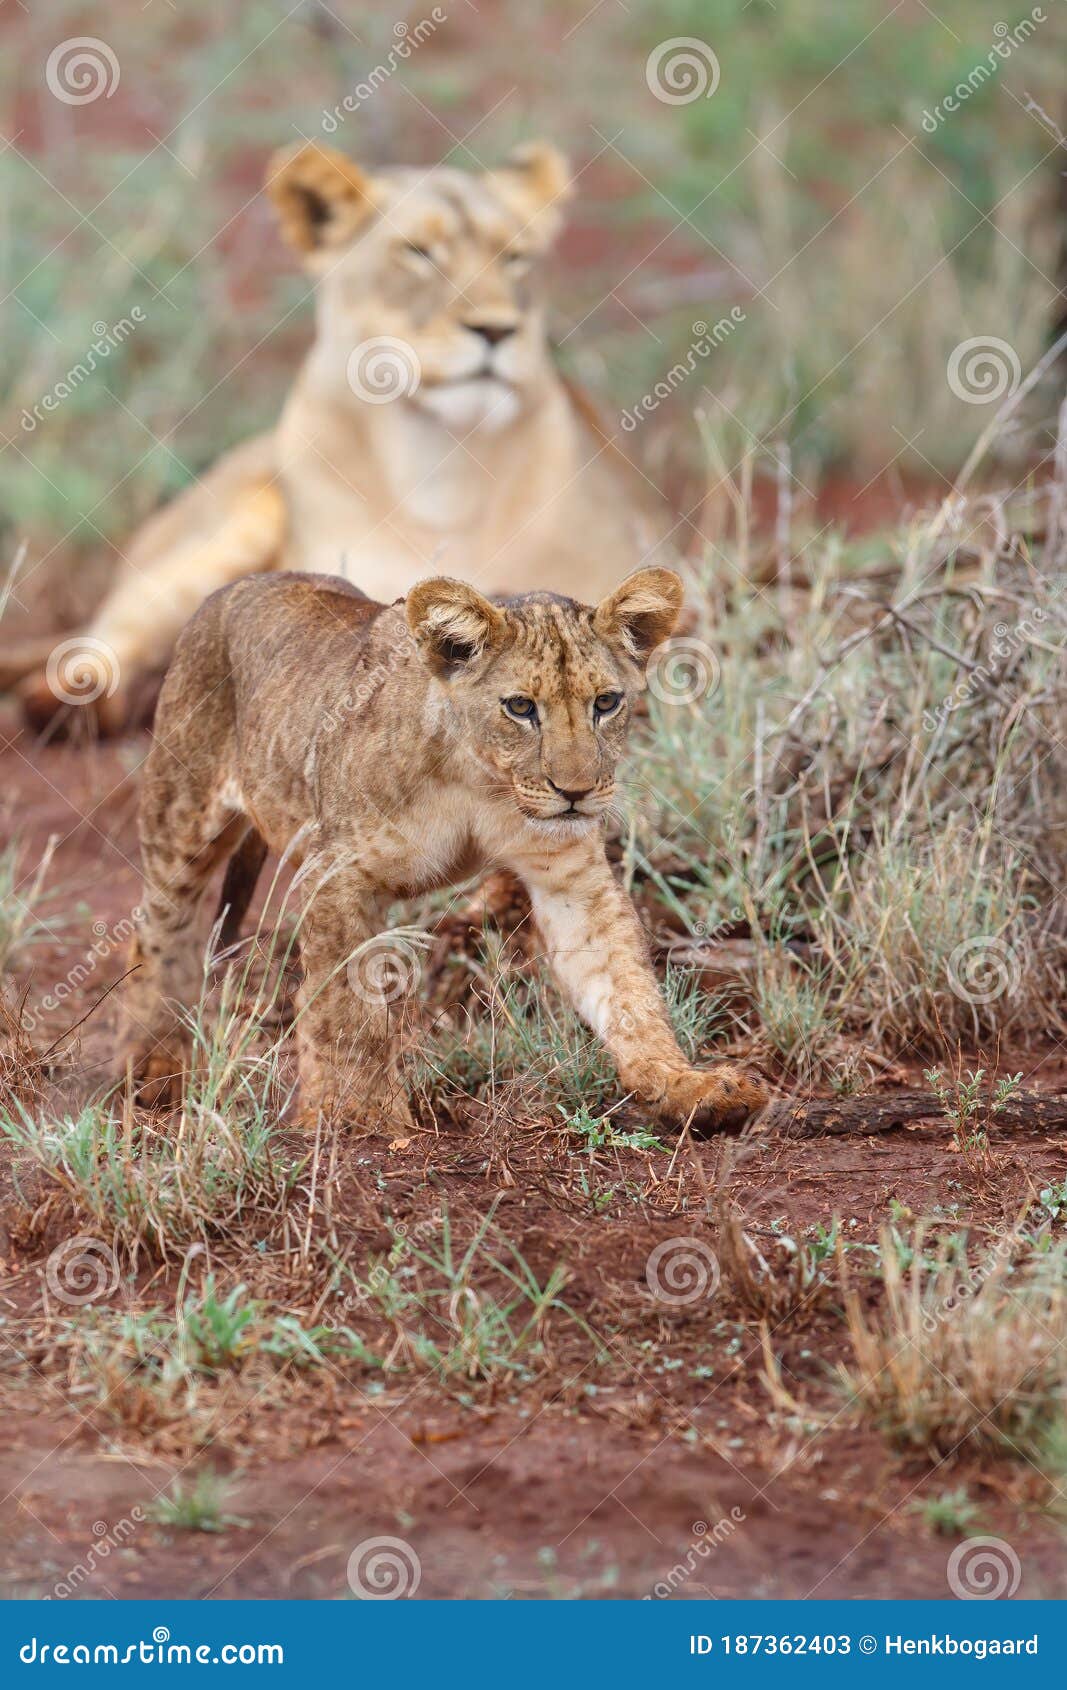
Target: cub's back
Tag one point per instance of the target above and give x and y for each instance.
(271, 657)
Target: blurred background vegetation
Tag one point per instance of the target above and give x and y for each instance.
(806, 190)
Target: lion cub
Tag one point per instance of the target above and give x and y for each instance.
(404, 748)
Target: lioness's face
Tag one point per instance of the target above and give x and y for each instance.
(540, 689)
(427, 281)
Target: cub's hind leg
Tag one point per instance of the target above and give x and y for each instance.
(191, 818)
(182, 842)
(350, 1003)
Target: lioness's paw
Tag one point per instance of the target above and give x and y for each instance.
(712, 1099)
(104, 717)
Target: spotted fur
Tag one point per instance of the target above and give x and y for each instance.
(379, 746)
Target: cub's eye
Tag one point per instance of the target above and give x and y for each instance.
(420, 254)
(606, 703)
(522, 709)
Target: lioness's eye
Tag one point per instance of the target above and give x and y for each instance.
(523, 709)
(606, 703)
(514, 259)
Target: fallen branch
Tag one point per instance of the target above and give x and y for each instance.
(879, 1112)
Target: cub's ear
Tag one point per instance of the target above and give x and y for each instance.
(320, 196)
(451, 623)
(536, 183)
(641, 612)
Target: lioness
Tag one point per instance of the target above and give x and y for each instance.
(428, 427)
(414, 745)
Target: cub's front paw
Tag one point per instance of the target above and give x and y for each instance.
(717, 1099)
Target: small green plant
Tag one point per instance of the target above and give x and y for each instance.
(218, 1331)
(288, 1341)
(597, 1133)
(969, 1102)
(196, 1506)
(779, 1278)
(951, 1513)
(849, 1077)
(822, 1241)
(476, 1312)
(1053, 1199)
(902, 1245)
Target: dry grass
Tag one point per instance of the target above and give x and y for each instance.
(773, 1276)
(875, 785)
(31, 912)
(963, 1355)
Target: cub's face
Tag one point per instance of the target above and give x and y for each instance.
(427, 282)
(539, 690)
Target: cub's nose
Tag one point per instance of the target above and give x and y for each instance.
(573, 795)
(492, 333)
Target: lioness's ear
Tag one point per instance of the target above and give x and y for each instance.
(642, 611)
(320, 196)
(451, 623)
(536, 183)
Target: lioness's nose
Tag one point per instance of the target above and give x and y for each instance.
(571, 794)
(492, 333)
